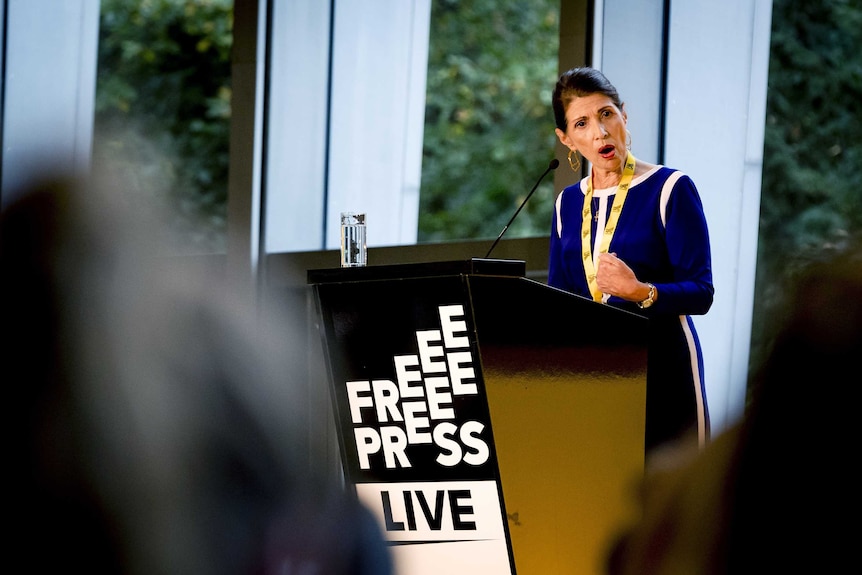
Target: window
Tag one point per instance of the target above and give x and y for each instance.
(489, 129)
(432, 117)
(436, 121)
(163, 110)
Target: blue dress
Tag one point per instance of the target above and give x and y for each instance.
(662, 236)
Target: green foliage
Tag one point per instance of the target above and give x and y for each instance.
(163, 108)
(489, 130)
(811, 198)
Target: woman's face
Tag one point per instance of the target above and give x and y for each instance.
(596, 128)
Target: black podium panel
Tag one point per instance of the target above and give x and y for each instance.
(493, 423)
(370, 324)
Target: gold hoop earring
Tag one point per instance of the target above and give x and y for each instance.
(576, 164)
(628, 140)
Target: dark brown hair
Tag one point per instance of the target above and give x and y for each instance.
(577, 83)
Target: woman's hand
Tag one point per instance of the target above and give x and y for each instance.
(614, 277)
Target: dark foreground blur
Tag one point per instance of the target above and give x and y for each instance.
(152, 424)
(777, 491)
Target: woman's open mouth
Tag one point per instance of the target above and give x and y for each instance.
(607, 151)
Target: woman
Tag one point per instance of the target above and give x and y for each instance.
(633, 235)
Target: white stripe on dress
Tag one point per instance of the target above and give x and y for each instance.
(666, 189)
(698, 382)
(559, 219)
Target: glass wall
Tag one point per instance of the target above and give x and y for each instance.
(433, 117)
(489, 129)
(163, 99)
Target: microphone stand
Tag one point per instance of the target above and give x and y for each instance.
(552, 166)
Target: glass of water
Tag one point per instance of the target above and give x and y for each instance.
(353, 249)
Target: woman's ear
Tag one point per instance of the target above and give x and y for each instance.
(564, 139)
(625, 114)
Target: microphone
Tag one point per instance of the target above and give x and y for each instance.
(552, 166)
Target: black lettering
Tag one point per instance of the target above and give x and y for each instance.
(459, 510)
(411, 513)
(391, 525)
(435, 519)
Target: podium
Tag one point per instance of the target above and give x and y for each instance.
(493, 424)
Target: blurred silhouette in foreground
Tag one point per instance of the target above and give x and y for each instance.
(773, 493)
(151, 422)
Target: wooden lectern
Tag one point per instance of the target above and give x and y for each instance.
(494, 424)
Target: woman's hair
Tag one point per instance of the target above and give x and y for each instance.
(577, 83)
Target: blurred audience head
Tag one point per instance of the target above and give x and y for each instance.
(775, 492)
(154, 422)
